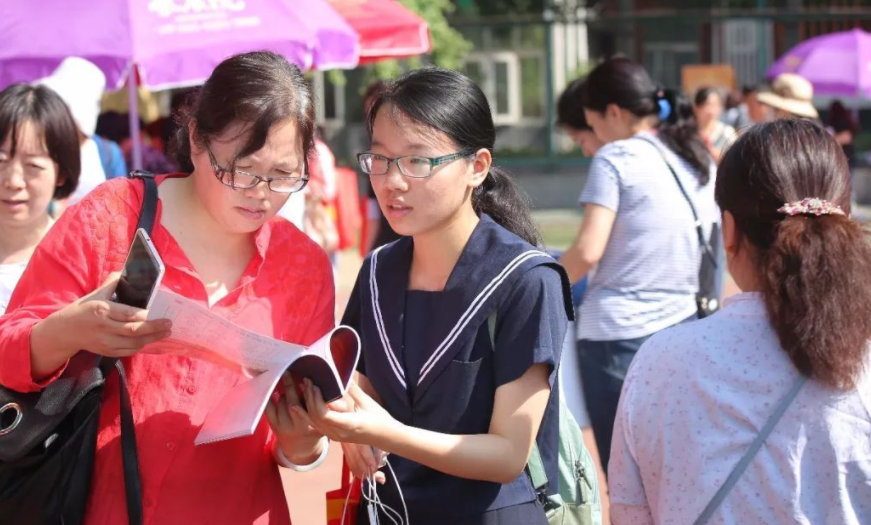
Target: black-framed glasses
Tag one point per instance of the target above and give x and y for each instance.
(414, 166)
(242, 180)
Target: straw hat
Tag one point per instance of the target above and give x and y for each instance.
(790, 93)
(80, 84)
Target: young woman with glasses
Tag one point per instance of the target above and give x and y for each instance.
(461, 321)
(243, 151)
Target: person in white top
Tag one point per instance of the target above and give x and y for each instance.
(39, 160)
(80, 84)
(697, 396)
(708, 106)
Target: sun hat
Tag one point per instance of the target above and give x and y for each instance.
(80, 84)
(790, 93)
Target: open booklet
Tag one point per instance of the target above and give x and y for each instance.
(198, 332)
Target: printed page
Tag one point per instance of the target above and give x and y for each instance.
(206, 335)
(239, 411)
(242, 407)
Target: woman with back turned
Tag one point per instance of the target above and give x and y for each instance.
(794, 345)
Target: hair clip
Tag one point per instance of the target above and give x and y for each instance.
(811, 206)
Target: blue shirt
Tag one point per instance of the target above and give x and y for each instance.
(648, 276)
(456, 394)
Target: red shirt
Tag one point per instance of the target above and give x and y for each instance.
(286, 292)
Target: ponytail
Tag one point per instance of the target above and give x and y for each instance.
(506, 204)
(679, 131)
(624, 82)
(812, 262)
(817, 288)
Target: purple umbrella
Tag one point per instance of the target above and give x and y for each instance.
(172, 43)
(836, 64)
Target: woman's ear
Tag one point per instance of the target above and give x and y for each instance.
(731, 237)
(480, 167)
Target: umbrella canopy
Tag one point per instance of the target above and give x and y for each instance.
(387, 29)
(838, 64)
(172, 42)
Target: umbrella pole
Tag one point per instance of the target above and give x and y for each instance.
(133, 113)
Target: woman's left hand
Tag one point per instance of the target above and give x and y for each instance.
(356, 418)
(299, 441)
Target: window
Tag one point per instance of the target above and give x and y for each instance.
(532, 87)
(498, 74)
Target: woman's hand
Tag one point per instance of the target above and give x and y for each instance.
(337, 421)
(300, 443)
(96, 324)
(364, 461)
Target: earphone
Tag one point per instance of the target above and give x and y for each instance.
(370, 494)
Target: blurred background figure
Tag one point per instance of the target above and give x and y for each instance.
(638, 229)
(39, 161)
(844, 127)
(736, 114)
(791, 96)
(708, 107)
(570, 117)
(115, 127)
(81, 84)
(756, 111)
(378, 231)
(319, 221)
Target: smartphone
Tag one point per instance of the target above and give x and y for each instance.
(143, 270)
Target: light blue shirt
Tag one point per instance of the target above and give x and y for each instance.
(647, 278)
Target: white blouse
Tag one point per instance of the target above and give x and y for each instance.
(694, 400)
(9, 276)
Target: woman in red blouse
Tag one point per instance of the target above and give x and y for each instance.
(222, 248)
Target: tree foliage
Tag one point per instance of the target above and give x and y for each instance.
(449, 48)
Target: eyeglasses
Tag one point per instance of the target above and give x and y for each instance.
(242, 180)
(413, 166)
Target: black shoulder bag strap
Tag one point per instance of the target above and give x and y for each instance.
(700, 231)
(129, 454)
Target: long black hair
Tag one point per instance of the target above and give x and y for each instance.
(570, 108)
(451, 103)
(625, 83)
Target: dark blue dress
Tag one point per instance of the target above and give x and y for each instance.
(430, 358)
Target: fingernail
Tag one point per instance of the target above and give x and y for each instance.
(167, 324)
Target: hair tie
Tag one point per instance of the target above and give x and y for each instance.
(663, 104)
(810, 206)
(664, 109)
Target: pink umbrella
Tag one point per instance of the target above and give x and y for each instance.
(172, 43)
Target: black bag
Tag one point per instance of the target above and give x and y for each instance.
(707, 298)
(48, 439)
